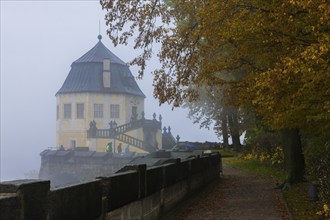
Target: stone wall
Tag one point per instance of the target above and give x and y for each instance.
(63, 167)
(135, 193)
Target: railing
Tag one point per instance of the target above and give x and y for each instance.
(137, 124)
(131, 140)
(125, 128)
(94, 132)
(118, 132)
(104, 133)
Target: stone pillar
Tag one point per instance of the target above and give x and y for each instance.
(32, 195)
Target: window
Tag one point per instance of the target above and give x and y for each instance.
(67, 111)
(134, 110)
(98, 110)
(106, 73)
(114, 111)
(57, 112)
(80, 110)
(134, 113)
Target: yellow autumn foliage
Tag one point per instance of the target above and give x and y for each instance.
(273, 55)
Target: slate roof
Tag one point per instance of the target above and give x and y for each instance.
(86, 74)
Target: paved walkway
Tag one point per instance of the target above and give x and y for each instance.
(237, 196)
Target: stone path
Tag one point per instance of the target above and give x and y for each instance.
(237, 196)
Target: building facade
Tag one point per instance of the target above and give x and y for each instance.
(101, 93)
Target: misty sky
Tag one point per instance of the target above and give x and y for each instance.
(39, 41)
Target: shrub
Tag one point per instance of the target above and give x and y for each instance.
(317, 157)
(274, 156)
(325, 213)
(277, 157)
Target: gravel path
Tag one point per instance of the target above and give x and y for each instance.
(237, 196)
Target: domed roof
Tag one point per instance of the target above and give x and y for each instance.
(86, 74)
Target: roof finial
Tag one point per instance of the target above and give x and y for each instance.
(100, 36)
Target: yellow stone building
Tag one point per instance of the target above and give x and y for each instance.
(100, 104)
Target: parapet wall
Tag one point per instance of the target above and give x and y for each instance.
(136, 193)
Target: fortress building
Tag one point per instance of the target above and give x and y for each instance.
(100, 104)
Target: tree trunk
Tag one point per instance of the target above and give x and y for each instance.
(293, 156)
(233, 127)
(224, 127)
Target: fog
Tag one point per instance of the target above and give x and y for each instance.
(39, 41)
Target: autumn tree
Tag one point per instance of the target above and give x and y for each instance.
(209, 109)
(272, 55)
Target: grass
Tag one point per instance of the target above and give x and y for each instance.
(300, 206)
(226, 153)
(255, 166)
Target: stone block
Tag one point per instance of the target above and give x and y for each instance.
(135, 210)
(170, 174)
(152, 214)
(170, 197)
(196, 166)
(184, 170)
(114, 215)
(10, 208)
(147, 204)
(196, 182)
(156, 199)
(83, 202)
(122, 188)
(154, 180)
(32, 196)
